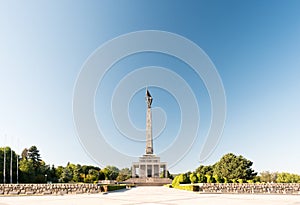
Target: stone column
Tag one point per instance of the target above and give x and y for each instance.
(142, 171)
(133, 171)
(152, 170)
(166, 171)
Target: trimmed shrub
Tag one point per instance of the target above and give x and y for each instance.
(193, 178)
(218, 179)
(115, 187)
(201, 178)
(189, 187)
(175, 181)
(210, 179)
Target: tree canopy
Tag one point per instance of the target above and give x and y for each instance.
(32, 169)
(232, 167)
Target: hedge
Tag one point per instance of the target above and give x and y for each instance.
(115, 187)
(189, 187)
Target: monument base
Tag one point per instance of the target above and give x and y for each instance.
(149, 166)
(150, 181)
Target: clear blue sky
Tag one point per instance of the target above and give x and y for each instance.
(255, 46)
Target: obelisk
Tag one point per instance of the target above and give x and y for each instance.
(149, 140)
(147, 170)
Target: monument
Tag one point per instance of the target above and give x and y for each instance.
(149, 167)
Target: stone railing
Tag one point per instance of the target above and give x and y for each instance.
(268, 188)
(50, 189)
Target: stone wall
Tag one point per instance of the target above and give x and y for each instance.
(61, 189)
(50, 189)
(269, 188)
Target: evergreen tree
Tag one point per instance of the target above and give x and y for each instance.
(235, 167)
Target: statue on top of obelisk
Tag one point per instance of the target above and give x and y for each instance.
(149, 140)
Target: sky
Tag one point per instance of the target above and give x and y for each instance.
(254, 46)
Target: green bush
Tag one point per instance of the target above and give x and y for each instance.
(184, 179)
(175, 181)
(210, 179)
(115, 187)
(287, 178)
(185, 187)
(218, 179)
(180, 179)
(193, 178)
(201, 178)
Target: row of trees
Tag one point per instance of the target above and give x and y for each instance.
(275, 177)
(32, 169)
(89, 174)
(233, 169)
(229, 169)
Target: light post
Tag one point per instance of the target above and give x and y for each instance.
(46, 178)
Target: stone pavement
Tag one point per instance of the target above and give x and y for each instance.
(153, 195)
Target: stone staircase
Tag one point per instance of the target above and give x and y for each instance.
(151, 181)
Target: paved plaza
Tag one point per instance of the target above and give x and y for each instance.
(153, 195)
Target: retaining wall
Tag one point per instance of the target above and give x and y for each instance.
(245, 188)
(50, 189)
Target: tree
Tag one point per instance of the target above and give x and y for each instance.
(124, 174)
(92, 176)
(235, 167)
(169, 175)
(52, 175)
(205, 170)
(101, 175)
(24, 154)
(201, 178)
(110, 172)
(77, 173)
(41, 173)
(218, 179)
(66, 175)
(268, 176)
(184, 179)
(210, 179)
(287, 178)
(27, 172)
(58, 172)
(193, 178)
(34, 155)
(85, 169)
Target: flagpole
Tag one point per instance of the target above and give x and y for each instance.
(4, 158)
(11, 165)
(18, 143)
